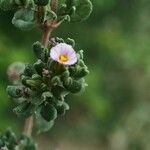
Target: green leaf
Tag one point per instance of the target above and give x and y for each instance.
(83, 10)
(42, 125)
(39, 66)
(14, 91)
(22, 2)
(7, 4)
(41, 2)
(62, 109)
(26, 143)
(29, 70)
(50, 15)
(34, 84)
(59, 92)
(48, 112)
(38, 49)
(70, 42)
(24, 19)
(72, 86)
(24, 110)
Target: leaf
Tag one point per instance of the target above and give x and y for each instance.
(38, 49)
(48, 112)
(26, 143)
(42, 125)
(50, 15)
(39, 66)
(41, 2)
(62, 108)
(83, 10)
(24, 110)
(7, 4)
(70, 42)
(22, 2)
(14, 91)
(29, 70)
(72, 86)
(24, 19)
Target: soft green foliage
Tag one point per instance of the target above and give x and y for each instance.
(114, 110)
(83, 9)
(38, 11)
(9, 141)
(24, 19)
(7, 4)
(45, 85)
(42, 2)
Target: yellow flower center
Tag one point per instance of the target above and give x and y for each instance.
(63, 58)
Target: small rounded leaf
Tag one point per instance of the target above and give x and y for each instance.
(83, 10)
(24, 19)
(48, 112)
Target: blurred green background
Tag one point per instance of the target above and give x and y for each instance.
(113, 113)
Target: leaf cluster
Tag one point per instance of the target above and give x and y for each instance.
(9, 141)
(45, 84)
(32, 13)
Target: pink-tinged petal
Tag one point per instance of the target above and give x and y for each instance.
(54, 55)
(73, 61)
(64, 50)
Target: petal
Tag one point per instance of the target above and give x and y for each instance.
(53, 54)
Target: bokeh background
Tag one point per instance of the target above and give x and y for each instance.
(114, 112)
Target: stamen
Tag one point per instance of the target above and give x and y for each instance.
(63, 58)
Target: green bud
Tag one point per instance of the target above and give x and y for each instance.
(29, 70)
(23, 79)
(24, 110)
(72, 86)
(43, 87)
(59, 92)
(46, 96)
(56, 81)
(14, 91)
(41, 2)
(62, 109)
(36, 77)
(39, 66)
(48, 112)
(65, 74)
(34, 84)
(38, 49)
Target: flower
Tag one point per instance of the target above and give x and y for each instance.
(64, 54)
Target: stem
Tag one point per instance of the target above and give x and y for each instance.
(28, 126)
(47, 29)
(54, 5)
(46, 33)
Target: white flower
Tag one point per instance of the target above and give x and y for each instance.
(64, 54)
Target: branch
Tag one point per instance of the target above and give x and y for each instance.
(28, 126)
